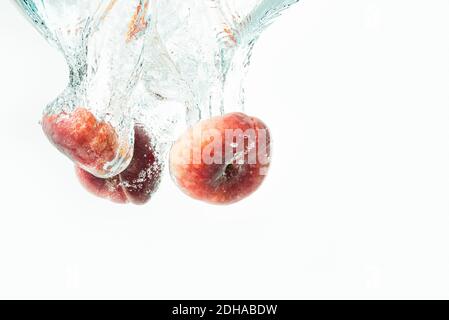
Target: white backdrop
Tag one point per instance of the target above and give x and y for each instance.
(356, 93)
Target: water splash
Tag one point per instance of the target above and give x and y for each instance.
(162, 63)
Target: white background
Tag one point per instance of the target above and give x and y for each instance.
(356, 93)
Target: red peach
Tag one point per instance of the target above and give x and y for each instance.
(139, 180)
(82, 137)
(110, 188)
(222, 160)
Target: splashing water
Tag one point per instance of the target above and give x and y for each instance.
(165, 64)
(103, 43)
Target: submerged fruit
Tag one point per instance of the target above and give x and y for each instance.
(137, 182)
(87, 141)
(222, 160)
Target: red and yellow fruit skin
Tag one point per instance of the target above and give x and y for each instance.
(110, 188)
(224, 183)
(87, 141)
(137, 182)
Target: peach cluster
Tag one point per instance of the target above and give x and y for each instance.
(140, 72)
(220, 160)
